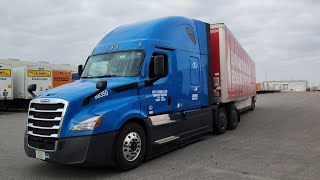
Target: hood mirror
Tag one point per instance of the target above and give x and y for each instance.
(101, 86)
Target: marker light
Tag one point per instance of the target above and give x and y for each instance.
(112, 47)
(88, 124)
(107, 48)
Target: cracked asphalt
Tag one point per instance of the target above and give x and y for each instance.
(280, 139)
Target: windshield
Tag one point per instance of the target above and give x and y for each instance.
(118, 64)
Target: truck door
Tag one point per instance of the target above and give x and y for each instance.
(195, 82)
(161, 93)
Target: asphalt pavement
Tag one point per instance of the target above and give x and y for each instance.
(280, 139)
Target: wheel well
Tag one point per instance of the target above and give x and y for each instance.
(143, 124)
(138, 121)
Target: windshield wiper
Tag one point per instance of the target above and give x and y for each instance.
(86, 77)
(108, 75)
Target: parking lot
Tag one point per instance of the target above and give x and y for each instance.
(280, 139)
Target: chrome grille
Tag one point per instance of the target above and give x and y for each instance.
(44, 121)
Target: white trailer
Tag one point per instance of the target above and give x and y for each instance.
(23, 76)
(285, 86)
(6, 82)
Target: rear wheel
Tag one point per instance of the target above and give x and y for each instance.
(233, 117)
(221, 124)
(130, 147)
(253, 104)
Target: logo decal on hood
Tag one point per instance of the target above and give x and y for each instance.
(102, 94)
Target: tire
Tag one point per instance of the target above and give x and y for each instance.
(253, 105)
(222, 121)
(233, 117)
(130, 147)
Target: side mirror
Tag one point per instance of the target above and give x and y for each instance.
(101, 85)
(80, 70)
(31, 88)
(158, 66)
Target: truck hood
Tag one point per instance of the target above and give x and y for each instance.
(81, 88)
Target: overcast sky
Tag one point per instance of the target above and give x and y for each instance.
(283, 37)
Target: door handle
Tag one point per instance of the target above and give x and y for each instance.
(169, 100)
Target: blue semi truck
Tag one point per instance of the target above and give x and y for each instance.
(147, 88)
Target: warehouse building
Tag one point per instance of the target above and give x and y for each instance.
(284, 86)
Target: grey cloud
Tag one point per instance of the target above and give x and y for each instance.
(281, 36)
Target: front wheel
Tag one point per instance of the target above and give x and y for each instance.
(130, 147)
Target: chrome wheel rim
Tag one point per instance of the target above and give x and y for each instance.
(131, 146)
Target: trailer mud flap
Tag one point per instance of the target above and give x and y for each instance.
(214, 110)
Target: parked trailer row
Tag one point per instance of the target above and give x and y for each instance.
(282, 86)
(265, 87)
(6, 82)
(14, 82)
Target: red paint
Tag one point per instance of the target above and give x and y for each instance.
(238, 70)
(214, 43)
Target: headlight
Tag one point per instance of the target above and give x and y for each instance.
(88, 124)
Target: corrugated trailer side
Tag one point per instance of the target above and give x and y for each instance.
(233, 69)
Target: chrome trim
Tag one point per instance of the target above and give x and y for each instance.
(167, 139)
(45, 136)
(161, 119)
(55, 127)
(47, 101)
(42, 119)
(52, 101)
(35, 110)
(46, 150)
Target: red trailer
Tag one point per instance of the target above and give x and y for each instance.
(233, 70)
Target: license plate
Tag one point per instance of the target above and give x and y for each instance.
(42, 155)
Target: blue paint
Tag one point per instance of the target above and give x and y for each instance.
(187, 75)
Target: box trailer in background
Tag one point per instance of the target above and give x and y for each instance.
(61, 77)
(258, 86)
(233, 70)
(23, 76)
(6, 82)
(313, 88)
(285, 86)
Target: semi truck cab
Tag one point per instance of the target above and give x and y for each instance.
(145, 89)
